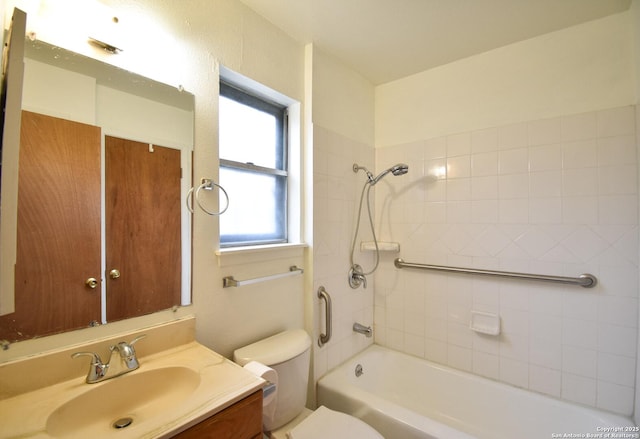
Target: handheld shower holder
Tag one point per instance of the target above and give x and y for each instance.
(357, 168)
(357, 276)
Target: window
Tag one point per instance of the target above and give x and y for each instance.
(253, 168)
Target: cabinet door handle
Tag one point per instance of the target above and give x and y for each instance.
(92, 282)
(114, 274)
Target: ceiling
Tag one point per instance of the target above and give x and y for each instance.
(385, 40)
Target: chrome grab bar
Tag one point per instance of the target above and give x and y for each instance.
(324, 338)
(585, 280)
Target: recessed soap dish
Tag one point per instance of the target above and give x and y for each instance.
(485, 323)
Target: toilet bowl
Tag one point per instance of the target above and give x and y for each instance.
(325, 423)
(288, 354)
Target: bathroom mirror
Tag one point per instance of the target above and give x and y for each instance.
(104, 171)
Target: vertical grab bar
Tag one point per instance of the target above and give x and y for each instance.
(324, 338)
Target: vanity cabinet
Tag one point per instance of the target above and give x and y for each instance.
(243, 420)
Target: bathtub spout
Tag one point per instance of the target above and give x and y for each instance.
(361, 329)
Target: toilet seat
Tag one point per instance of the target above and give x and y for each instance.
(325, 423)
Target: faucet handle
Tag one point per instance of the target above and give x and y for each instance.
(357, 277)
(126, 349)
(95, 357)
(137, 339)
(127, 352)
(97, 369)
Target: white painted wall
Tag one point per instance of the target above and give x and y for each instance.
(69, 95)
(565, 72)
(59, 93)
(342, 99)
(537, 141)
(144, 120)
(184, 43)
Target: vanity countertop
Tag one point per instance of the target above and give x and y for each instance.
(182, 386)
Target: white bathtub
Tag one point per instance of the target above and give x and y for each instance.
(405, 397)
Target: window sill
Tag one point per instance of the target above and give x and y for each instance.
(258, 253)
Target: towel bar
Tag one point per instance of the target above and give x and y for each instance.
(229, 281)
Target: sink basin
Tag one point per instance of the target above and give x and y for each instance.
(172, 390)
(126, 400)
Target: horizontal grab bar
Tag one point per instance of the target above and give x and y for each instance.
(584, 280)
(229, 281)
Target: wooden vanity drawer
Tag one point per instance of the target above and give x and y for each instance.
(243, 420)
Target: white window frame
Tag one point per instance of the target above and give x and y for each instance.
(294, 205)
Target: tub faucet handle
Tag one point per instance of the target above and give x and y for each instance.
(357, 277)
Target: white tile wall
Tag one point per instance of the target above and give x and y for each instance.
(555, 196)
(336, 194)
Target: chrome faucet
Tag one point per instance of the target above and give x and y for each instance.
(357, 277)
(361, 329)
(123, 362)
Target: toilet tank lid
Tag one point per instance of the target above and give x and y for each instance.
(275, 349)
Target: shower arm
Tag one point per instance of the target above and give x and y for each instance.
(357, 168)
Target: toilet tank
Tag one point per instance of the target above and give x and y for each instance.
(288, 354)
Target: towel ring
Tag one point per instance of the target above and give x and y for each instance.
(207, 184)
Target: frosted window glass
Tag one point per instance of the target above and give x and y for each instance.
(256, 209)
(253, 168)
(247, 135)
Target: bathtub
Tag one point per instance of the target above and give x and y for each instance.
(405, 397)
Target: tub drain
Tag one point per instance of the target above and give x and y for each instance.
(123, 423)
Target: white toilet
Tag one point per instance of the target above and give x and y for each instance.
(288, 354)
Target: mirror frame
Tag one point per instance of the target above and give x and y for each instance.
(112, 77)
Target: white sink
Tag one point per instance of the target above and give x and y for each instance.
(133, 398)
(171, 389)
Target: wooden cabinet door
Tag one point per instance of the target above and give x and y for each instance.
(58, 233)
(243, 420)
(143, 233)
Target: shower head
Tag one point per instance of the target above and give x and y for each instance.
(399, 169)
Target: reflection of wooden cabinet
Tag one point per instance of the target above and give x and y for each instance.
(142, 205)
(58, 233)
(59, 228)
(243, 420)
